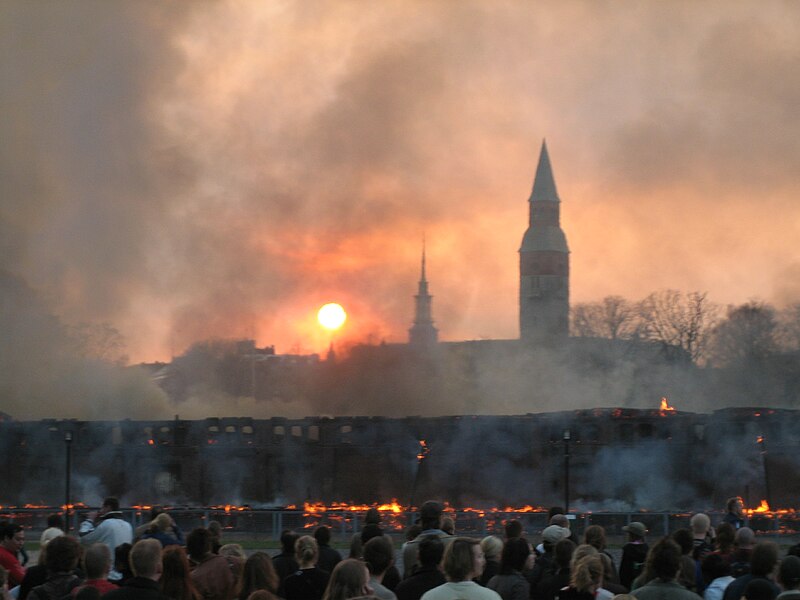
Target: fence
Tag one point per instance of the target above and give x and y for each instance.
(258, 524)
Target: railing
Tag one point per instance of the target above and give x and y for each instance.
(267, 524)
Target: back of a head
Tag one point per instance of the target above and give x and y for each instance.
(726, 535)
(259, 573)
(431, 550)
(378, 554)
(430, 514)
(97, 561)
(459, 559)
(198, 542)
(162, 522)
(121, 555)
(146, 558)
(554, 510)
(111, 503)
(63, 554)
(348, 580)
(699, 524)
(684, 539)
(745, 537)
(215, 529)
(587, 573)
(560, 520)
(306, 549)
(233, 551)
(373, 516)
(492, 547)
(764, 559)
(448, 525)
(715, 566)
(288, 539)
(8, 530)
(595, 536)
(513, 529)
(759, 589)
(789, 573)
(55, 520)
(175, 564)
(413, 532)
(572, 554)
(515, 554)
(323, 535)
(666, 559)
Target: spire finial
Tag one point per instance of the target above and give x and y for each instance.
(544, 185)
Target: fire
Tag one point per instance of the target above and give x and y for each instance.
(665, 407)
(763, 508)
(424, 450)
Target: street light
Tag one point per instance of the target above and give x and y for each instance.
(566, 439)
(67, 495)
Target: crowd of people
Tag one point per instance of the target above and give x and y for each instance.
(109, 560)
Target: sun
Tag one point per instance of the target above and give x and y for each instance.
(331, 316)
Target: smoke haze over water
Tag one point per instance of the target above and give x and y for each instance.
(197, 170)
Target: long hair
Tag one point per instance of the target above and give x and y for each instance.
(587, 573)
(348, 580)
(306, 550)
(259, 574)
(176, 581)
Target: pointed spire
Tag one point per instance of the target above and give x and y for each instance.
(544, 185)
(423, 258)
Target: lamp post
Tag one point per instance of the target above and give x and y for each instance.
(68, 494)
(763, 447)
(566, 439)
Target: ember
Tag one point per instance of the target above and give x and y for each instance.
(665, 407)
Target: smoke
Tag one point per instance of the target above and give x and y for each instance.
(201, 170)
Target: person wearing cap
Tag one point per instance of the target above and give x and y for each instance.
(789, 578)
(634, 553)
(545, 562)
(430, 515)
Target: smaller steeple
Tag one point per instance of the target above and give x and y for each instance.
(422, 332)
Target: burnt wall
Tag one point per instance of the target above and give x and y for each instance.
(618, 459)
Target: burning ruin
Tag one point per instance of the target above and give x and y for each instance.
(621, 459)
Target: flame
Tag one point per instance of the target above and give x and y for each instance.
(151, 442)
(760, 439)
(665, 407)
(424, 450)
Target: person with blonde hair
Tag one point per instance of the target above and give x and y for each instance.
(492, 547)
(309, 581)
(586, 578)
(348, 580)
(145, 559)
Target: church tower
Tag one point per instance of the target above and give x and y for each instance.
(544, 265)
(423, 334)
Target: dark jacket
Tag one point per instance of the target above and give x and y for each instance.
(306, 584)
(328, 558)
(632, 562)
(512, 586)
(56, 587)
(735, 590)
(422, 580)
(137, 588)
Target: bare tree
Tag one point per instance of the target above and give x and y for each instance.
(681, 322)
(789, 328)
(747, 336)
(613, 318)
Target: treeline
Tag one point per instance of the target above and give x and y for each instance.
(690, 327)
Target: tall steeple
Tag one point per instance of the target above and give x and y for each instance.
(422, 332)
(544, 264)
